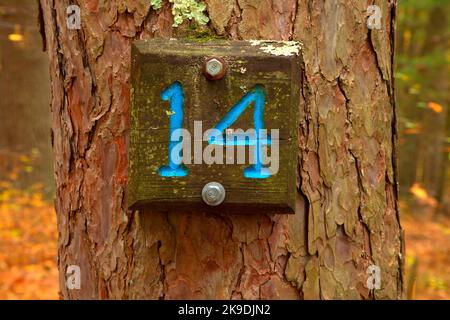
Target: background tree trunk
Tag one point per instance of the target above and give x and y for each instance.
(23, 65)
(347, 154)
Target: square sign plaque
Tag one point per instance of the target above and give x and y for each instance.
(214, 125)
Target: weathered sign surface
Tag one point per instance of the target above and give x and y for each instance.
(180, 89)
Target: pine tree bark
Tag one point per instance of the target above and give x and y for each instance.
(347, 174)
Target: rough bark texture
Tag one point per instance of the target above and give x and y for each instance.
(347, 173)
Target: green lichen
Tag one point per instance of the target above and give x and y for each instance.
(156, 4)
(185, 9)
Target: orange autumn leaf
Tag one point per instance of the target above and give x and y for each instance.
(436, 107)
(422, 195)
(411, 131)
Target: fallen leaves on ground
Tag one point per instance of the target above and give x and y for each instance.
(28, 240)
(427, 246)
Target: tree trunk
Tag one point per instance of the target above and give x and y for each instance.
(347, 155)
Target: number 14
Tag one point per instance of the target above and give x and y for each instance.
(175, 94)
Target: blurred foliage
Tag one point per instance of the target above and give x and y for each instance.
(14, 169)
(422, 81)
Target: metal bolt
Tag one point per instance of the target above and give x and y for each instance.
(214, 68)
(213, 194)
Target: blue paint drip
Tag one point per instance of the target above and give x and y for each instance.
(175, 94)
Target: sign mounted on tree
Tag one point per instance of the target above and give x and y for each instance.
(214, 125)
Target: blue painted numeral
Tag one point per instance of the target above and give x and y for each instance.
(257, 96)
(175, 94)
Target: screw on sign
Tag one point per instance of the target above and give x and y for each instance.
(213, 194)
(214, 68)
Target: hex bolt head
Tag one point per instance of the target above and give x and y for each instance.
(214, 68)
(213, 194)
